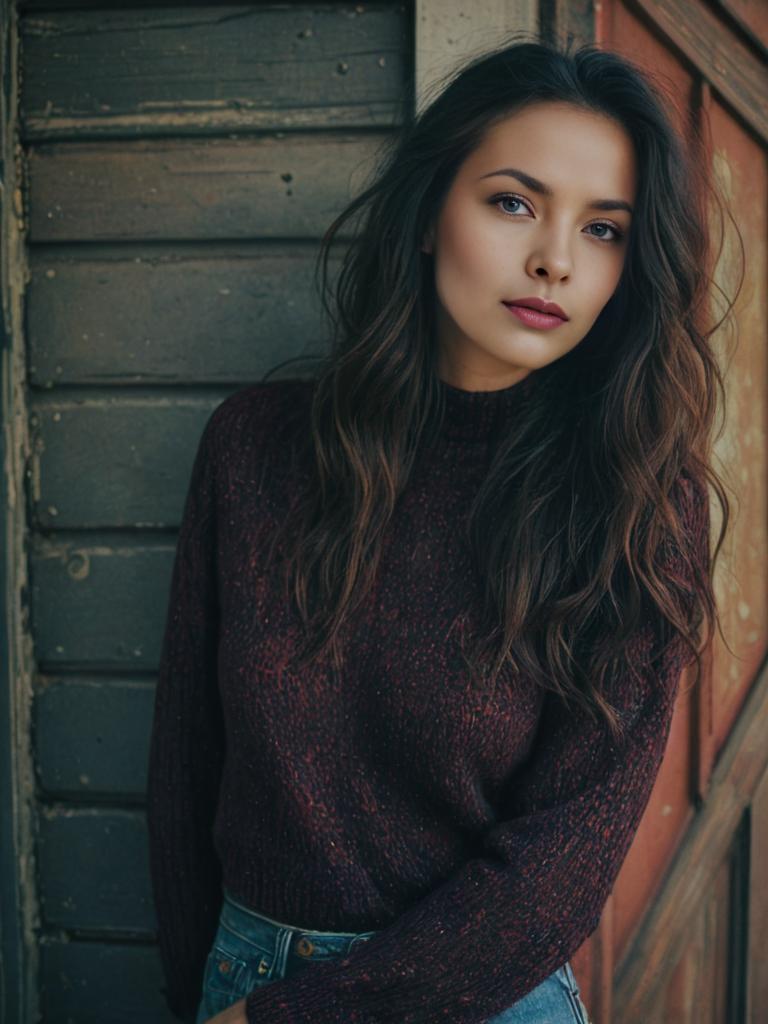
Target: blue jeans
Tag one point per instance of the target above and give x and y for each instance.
(250, 950)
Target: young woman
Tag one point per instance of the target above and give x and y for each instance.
(430, 609)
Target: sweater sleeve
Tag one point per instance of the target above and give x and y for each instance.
(512, 915)
(187, 747)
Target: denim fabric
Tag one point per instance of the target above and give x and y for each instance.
(250, 950)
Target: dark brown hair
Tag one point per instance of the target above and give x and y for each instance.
(591, 521)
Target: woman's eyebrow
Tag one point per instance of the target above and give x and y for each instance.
(538, 186)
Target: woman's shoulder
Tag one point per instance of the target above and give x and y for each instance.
(254, 414)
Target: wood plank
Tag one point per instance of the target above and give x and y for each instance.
(138, 473)
(729, 64)
(741, 448)
(18, 966)
(99, 600)
(752, 18)
(93, 870)
(212, 69)
(92, 736)
(450, 32)
(213, 315)
(647, 964)
(96, 982)
(575, 18)
(271, 186)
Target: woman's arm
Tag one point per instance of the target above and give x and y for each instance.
(187, 747)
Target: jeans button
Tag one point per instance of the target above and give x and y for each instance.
(304, 947)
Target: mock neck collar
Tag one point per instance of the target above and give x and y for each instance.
(475, 415)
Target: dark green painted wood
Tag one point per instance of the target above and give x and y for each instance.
(101, 983)
(200, 195)
(219, 315)
(173, 189)
(213, 69)
(99, 600)
(138, 472)
(93, 870)
(92, 737)
(17, 979)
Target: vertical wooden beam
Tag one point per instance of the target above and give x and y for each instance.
(570, 20)
(18, 951)
(450, 31)
(702, 720)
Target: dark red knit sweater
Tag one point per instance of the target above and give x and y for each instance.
(481, 833)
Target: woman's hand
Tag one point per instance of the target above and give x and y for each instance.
(234, 1014)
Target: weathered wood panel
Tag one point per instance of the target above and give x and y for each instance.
(638, 38)
(752, 18)
(273, 186)
(84, 324)
(18, 966)
(137, 474)
(670, 808)
(98, 982)
(92, 736)
(106, 72)
(99, 601)
(199, 152)
(741, 166)
(666, 930)
(712, 78)
(706, 985)
(663, 824)
(93, 870)
(733, 68)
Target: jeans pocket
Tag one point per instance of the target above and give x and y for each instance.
(234, 967)
(226, 979)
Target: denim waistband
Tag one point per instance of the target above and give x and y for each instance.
(268, 934)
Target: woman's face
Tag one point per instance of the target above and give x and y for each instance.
(499, 238)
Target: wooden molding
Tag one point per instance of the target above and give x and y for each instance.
(731, 66)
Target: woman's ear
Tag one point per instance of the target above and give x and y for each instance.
(427, 241)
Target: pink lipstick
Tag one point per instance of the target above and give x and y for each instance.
(534, 317)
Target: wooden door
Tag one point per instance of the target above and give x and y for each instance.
(681, 938)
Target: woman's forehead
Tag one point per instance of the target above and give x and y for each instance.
(561, 147)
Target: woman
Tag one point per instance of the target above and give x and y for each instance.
(430, 610)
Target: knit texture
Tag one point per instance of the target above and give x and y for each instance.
(480, 832)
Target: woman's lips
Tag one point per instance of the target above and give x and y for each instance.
(533, 317)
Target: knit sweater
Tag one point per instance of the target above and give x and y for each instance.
(480, 833)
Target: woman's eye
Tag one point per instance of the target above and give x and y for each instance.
(617, 235)
(603, 226)
(509, 199)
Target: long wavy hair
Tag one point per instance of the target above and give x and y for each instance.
(578, 530)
